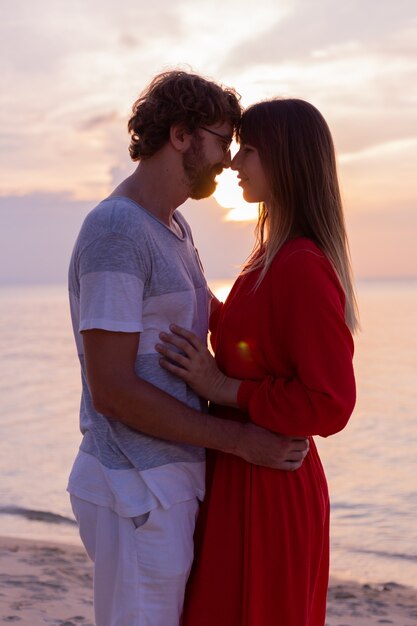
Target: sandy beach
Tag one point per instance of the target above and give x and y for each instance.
(46, 583)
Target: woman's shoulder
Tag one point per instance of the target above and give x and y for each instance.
(301, 261)
(301, 247)
(299, 253)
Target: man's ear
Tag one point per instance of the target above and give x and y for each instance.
(180, 137)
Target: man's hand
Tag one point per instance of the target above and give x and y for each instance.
(262, 447)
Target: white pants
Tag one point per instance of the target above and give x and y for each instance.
(141, 565)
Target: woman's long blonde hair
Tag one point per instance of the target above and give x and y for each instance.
(297, 154)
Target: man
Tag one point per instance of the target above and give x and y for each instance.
(139, 473)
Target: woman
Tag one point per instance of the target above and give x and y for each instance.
(284, 350)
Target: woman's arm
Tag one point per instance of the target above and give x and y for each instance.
(319, 395)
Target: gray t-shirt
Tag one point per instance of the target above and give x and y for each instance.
(130, 273)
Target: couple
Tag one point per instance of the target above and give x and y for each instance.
(283, 372)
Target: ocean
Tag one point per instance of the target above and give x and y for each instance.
(371, 466)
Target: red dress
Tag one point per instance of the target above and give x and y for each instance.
(262, 538)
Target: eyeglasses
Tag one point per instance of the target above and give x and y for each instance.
(226, 139)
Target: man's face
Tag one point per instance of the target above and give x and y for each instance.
(206, 157)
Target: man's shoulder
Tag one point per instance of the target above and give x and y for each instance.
(116, 212)
(114, 217)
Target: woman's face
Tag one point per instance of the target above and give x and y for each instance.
(251, 174)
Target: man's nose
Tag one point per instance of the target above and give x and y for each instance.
(233, 163)
(227, 159)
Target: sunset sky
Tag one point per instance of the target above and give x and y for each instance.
(70, 71)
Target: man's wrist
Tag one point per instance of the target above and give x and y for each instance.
(238, 441)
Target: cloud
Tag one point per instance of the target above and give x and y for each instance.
(52, 46)
(358, 129)
(319, 26)
(386, 149)
(99, 121)
(37, 235)
(366, 97)
(120, 171)
(383, 243)
(72, 151)
(358, 64)
(381, 178)
(70, 74)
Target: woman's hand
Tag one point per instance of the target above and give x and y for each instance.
(196, 366)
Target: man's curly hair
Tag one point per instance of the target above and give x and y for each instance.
(178, 97)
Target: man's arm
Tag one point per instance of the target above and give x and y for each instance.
(119, 393)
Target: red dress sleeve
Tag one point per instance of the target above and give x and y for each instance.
(319, 395)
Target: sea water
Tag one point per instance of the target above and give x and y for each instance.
(371, 466)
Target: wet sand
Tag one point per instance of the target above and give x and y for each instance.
(46, 583)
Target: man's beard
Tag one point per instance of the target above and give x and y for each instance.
(200, 175)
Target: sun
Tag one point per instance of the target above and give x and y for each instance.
(229, 196)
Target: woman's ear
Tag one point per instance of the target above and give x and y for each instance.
(180, 137)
